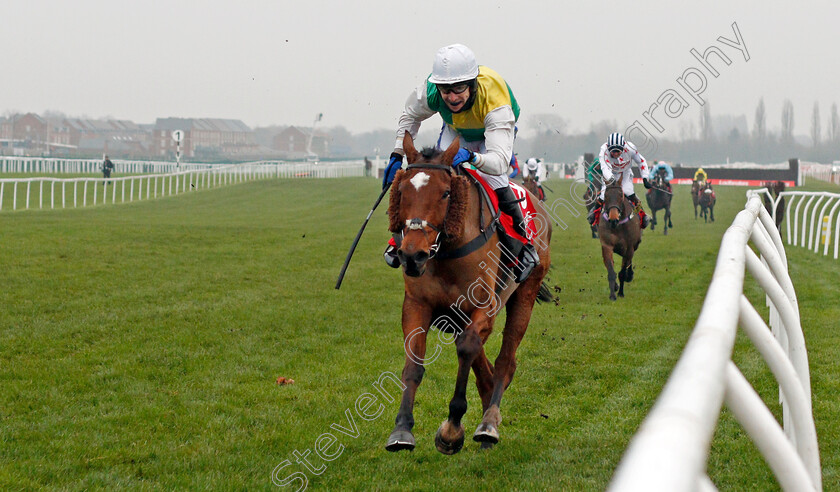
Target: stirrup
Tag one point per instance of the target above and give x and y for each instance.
(391, 258)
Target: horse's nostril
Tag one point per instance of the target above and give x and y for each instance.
(420, 257)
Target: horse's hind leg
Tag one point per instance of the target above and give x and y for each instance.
(414, 315)
(519, 308)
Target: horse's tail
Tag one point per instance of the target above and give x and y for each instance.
(544, 294)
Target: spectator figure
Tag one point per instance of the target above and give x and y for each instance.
(107, 168)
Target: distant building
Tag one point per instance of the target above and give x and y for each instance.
(292, 142)
(203, 138)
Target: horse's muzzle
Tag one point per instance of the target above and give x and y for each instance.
(414, 264)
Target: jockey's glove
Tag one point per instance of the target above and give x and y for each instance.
(462, 156)
(647, 183)
(394, 165)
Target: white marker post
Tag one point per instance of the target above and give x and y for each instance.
(178, 136)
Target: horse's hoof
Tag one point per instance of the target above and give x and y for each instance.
(612, 297)
(486, 433)
(399, 440)
(448, 448)
(487, 445)
(666, 232)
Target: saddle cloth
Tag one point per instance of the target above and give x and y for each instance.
(527, 206)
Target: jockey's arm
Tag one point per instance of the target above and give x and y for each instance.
(640, 160)
(498, 141)
(416, 110)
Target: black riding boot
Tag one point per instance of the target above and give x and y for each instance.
(391, 257)
(526, 254)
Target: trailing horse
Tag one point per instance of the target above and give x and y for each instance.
(457, 279)
(775, 187)
(707, 201)
(659, 197)
(695, 194)
(531, 184)
(620, 233)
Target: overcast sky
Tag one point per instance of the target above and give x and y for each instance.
(282, 62)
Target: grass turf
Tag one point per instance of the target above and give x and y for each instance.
(140, 343)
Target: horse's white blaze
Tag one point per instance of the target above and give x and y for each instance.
(420, 180)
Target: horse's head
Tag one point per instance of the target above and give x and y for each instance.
(659, 179)
(428, 204)
(614, 203)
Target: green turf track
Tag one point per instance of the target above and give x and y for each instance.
(140, 343)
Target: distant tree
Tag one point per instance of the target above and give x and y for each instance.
(833, 129)
(815, 125)
(787, 121)
(706, 132)
(687, 130)
(760, 127)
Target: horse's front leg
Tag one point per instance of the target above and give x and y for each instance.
(607, 253)
(450, 435)
(416, 318)
(712, 212)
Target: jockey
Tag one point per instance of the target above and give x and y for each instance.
(663, 167)
(700, 175)
(616, 158)
(477, 106)
(534, 167)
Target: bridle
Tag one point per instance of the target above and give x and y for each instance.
(417, 223)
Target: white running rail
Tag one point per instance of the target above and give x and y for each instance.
(812, 220)
(51, 192)
(671, 448)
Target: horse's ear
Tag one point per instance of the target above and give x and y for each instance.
(411, 153)
(394, 223)
(458, 200)
(449, 154)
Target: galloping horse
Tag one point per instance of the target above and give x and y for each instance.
(659, 198)
(695, 194)
(620, 232)
(707, 202)
(775, 187)
(456, 279)
(531, 184)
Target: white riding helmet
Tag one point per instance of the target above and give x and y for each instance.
(453, 64)
(532, 164)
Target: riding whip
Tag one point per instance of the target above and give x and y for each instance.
(358, 236)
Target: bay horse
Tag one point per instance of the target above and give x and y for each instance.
(659, 197)
(775, 187)
(456, 279)
(531, 184)
(707, 201)
(620, 233)
(695, 194)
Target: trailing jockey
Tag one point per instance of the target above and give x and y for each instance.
(616, 158)
(477, 106)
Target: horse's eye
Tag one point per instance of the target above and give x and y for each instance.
(446, 194)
